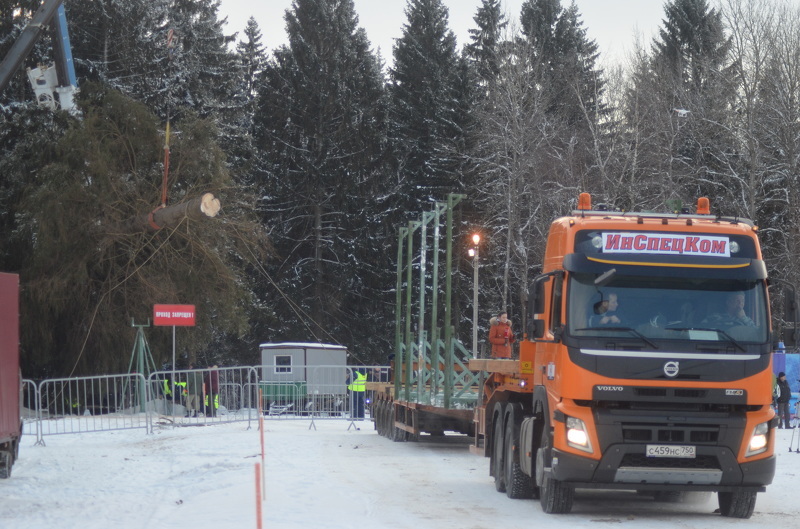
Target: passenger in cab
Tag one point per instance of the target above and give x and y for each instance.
(734, 314)
(606, 312)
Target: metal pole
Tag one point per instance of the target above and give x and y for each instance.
(398, 326)
(440, 208)
(409, 362)
(452, 200)
(172, 382)
(422, 362)
(475, 304)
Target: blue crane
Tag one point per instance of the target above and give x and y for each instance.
(54, 85)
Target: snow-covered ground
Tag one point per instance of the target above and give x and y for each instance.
(328, 477)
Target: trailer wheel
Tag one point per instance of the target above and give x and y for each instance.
(556, 496)
(379, 417)
(398, 434)
(6, 460)
(498, 450)
(386, 418)
(518, 484)
(737, 504)
(386, 408)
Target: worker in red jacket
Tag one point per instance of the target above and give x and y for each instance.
(501, 336)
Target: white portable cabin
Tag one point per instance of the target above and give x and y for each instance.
(321, 368)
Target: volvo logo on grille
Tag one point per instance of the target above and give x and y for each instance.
(671, 369)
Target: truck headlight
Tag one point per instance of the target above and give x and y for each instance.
(577, 436)
(758, 441)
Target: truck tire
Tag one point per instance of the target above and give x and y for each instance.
(498, 452)
(398, 435)
(386, 410)
(6, 460)
(518, 484)
(555, 496)
(737, 504)
(379, 417)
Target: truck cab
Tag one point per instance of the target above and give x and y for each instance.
(648, 359)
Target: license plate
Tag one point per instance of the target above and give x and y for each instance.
(688, 452)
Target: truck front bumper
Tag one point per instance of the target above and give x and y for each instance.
(624, 466)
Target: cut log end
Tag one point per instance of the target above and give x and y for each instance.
(209, 205)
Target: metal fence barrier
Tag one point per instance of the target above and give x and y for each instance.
(92, 404)
(225, 394)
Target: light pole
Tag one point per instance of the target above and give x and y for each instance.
(473, 252)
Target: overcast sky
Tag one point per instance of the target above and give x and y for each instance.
(614, 24)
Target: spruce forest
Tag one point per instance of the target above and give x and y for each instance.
(321, 149)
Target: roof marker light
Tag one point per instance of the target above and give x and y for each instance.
(585, 201)
(703, 207)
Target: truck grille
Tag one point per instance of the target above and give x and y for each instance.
(659, 434)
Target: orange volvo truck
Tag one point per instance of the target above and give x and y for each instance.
(647, 365)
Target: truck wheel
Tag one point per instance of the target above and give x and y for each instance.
(556, 497)
(737, 504)
(6, 460)
(398, 434)
(498, 450)
(385, 410)
(518, 484)
(379, 417)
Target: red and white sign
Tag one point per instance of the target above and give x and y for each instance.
(177, 315)
(666, 244)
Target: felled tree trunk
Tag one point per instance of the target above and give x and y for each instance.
(206, 206)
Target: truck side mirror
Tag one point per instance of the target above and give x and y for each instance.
(537, 296)
(537, 328)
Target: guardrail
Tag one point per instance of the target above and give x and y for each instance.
(226, 394)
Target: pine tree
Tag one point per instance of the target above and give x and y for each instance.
(252, 57)
(692, 72)
(562, 60)
(108, 47)
(486, 47)
(321, 128)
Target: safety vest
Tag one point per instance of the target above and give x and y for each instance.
(182, 387)
(167, 391)
(359, 384)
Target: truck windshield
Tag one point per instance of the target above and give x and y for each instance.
(667, 308)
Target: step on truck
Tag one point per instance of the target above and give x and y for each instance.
(10, 380)
(647, 364)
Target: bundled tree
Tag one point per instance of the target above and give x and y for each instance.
(84, 281)
(321, 128)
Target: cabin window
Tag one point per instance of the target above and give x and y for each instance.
(283, 364)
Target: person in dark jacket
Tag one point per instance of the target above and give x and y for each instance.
(782, 396)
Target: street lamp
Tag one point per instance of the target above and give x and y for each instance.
(473, 252)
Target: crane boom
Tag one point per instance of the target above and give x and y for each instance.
(51, 12)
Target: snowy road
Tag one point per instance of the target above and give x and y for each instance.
(204, 477)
